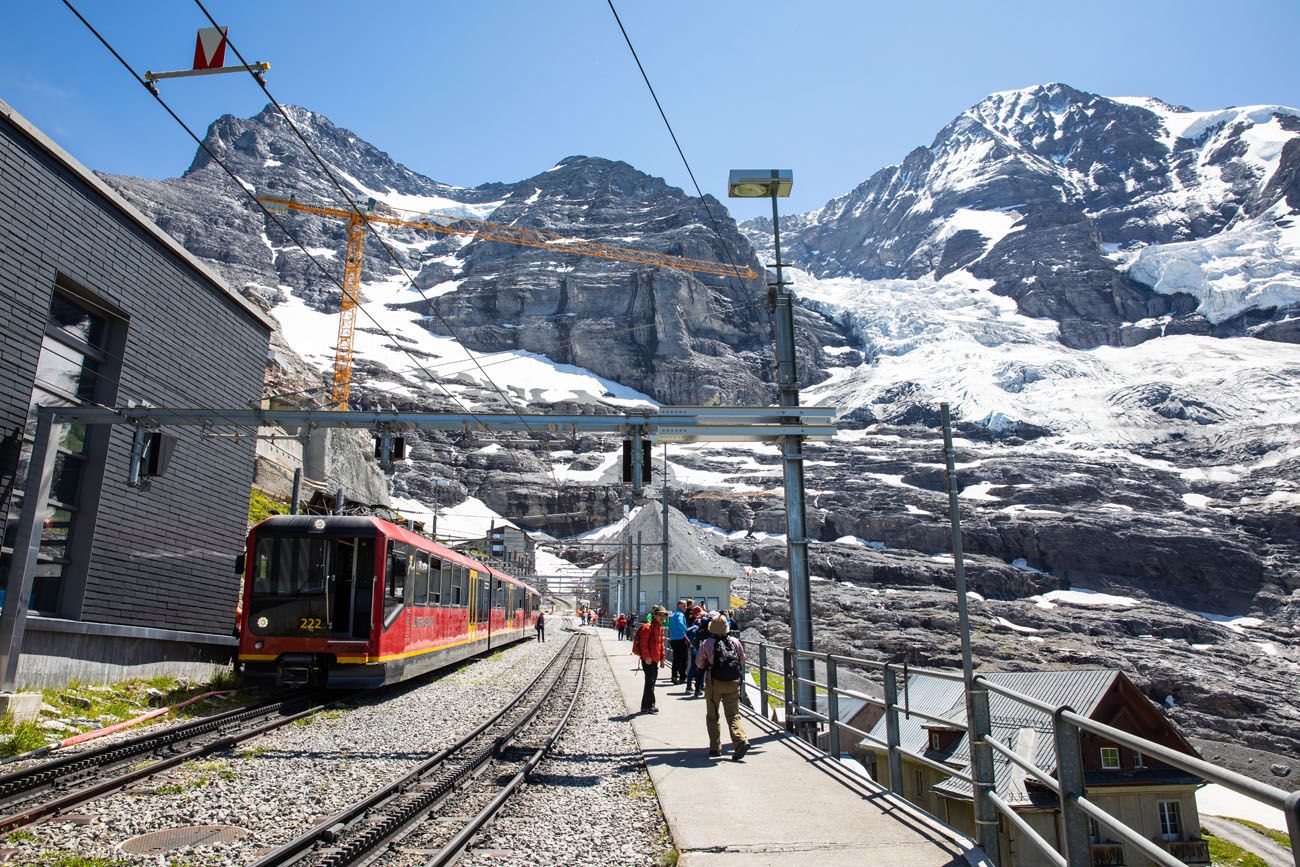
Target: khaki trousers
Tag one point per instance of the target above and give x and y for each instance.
(727, 692)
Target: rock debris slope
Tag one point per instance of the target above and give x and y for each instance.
(1105, 289)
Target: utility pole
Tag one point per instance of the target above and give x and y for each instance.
(636, 599)
(792, 463)
(977, 701)
(664, 598)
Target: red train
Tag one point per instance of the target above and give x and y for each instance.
(356, 601)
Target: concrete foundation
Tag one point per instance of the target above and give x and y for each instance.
(25, 706)
(57, 651)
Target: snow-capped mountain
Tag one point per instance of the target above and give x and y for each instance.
(673, 336)
(1062, 262)
(1121, 219)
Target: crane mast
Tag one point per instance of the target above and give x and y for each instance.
(379, 213)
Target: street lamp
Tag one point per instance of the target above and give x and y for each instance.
(774, 184)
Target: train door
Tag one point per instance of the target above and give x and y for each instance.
(352, 586)
(473, 602)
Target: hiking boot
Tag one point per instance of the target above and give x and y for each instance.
(741, 749)
(714, 754)
(649, 710)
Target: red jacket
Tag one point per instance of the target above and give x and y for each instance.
(621, 622)
(649, 642)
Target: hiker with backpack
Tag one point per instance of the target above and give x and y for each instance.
(648, 645)
(722, 658)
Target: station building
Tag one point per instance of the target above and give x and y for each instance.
(99, 306)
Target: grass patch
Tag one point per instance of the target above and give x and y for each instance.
(21, 837)
(1225, 854)
(64, 858)
(91, 706)
(332, 713)
(19, 737)
(775, 682)
(1280, 837)
(261, 507)
(641, 789)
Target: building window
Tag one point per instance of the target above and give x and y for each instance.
(919, 780)
(1139, 761)
(1110, 758)
(74, 368)
(1171, 826)
(936, 743)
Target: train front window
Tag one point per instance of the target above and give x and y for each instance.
(312, 586)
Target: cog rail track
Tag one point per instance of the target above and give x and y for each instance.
(371, 828)
(54, 786)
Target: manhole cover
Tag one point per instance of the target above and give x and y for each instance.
(177, 838)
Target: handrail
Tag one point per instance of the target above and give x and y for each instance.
(1067, 781)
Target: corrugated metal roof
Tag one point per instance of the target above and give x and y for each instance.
(1025, 730)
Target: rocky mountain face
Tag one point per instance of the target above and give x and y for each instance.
(1105, 290)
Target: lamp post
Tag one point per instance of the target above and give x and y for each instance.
(774, 184)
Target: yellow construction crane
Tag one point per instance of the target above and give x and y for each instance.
(378, 212)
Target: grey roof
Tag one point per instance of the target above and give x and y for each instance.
(113, 198)
(689, 549)
(1023, 729)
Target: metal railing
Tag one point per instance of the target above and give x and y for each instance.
(1077, 849)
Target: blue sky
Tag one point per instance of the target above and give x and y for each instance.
(471, 92)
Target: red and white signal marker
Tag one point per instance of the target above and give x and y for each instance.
(209, 59)
(210, 48)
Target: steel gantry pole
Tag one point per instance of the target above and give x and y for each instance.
(801, 629)
(27, 545)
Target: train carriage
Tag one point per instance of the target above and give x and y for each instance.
(358, 601)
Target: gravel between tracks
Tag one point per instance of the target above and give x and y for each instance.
(278, 785)
(591, 801)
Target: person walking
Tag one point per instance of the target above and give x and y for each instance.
(648, 645)
(677, 638)
(722, 657)
(698, 632)
(540, 626)
(621, 624)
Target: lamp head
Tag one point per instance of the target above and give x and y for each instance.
(759, 183)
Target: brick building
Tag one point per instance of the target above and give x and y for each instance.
(100, 306)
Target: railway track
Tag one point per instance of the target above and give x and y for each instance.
(59, 784)
(407, 818)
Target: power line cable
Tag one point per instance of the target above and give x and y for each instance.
(392, 255)
(249, 194)
(645, 77)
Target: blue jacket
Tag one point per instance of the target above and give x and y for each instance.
(677, 626)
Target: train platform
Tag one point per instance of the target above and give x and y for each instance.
(785, 803)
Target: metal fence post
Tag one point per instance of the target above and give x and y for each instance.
(1069, 772)
(986, 815)
(788, 677)
(1293, 824)
(762, 679)
(891, 731)
(833, 705)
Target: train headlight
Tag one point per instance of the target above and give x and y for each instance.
(263, 622)
(258, 645)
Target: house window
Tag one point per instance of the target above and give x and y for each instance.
(1139, 761)
(74, 368)
(1171, 826)
(919, 780)
(936, 743)
(1110, 758)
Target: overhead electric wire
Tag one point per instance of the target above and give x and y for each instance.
(249, 194)
(645, 77)
(261, 82)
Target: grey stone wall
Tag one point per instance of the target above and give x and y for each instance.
(160, 557)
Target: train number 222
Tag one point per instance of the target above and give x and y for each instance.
(309, 623)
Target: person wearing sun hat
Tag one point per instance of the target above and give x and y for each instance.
(722, 658)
